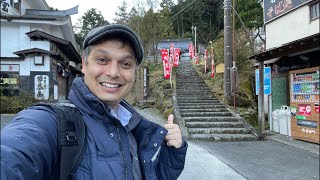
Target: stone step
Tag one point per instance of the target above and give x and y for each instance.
(200, 96)
(218, 131)
(214, 125)
(224, 137)
(211, 119)
(204, 110)
(198, 101)
(197, 106)
(194, 90)
(196, 98)
(205, 117)
(206, 114)
(191, 88)
(193, 94)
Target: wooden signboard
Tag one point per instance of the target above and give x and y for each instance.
(304, 104)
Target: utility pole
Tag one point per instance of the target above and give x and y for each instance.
(234, 53)
(227, 47)
(233, 31)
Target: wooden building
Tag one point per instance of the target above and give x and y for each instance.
(39, 53)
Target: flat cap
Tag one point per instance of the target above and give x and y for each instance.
(115, 31)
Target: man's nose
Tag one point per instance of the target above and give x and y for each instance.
(113, 70)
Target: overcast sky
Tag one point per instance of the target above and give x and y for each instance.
(107, 7)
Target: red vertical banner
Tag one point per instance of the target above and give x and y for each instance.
(165, 60)
(176, 56)
(212, 63)
(191, 50)
(163, 53)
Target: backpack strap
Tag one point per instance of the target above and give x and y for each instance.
(72, 139)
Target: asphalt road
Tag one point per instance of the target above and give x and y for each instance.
(266, 159)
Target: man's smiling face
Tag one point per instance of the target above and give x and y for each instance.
(109, 71)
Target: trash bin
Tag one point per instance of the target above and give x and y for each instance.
(275, 120)
(285, 120)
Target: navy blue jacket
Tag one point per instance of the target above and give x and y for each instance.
(29, 143)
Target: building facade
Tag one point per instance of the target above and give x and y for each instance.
(292, 45)
(39, 53)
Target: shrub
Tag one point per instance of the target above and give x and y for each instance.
(14, 104)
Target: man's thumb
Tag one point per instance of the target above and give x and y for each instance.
(170, 119)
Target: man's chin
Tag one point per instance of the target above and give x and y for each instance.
(110, 101)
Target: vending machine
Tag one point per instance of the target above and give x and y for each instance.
(304, 104)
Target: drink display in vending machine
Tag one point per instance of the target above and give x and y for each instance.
(304, 101)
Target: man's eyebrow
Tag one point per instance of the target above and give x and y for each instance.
(128, 57)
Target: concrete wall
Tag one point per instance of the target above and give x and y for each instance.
(289, 27)
(10, 39)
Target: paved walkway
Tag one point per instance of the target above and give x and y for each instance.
(200, 164)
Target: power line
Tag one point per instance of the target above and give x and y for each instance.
(182, 10)
(246, 29)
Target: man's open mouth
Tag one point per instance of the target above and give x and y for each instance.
(111, 85)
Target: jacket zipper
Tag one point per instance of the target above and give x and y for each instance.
(125, 164)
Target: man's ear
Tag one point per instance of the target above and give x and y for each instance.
(83, 69)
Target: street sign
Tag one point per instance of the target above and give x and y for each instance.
(266, 81)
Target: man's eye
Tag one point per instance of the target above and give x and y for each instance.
(101, 60)
(126, 65)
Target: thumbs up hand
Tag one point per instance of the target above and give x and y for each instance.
(174, 137)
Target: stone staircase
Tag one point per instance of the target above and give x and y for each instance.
(204, 116)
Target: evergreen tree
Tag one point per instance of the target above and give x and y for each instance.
(154, 28)
(167, 4)
(206, 15)
(251, 14)
(91, 19)
(121, 15)
(134, 20)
